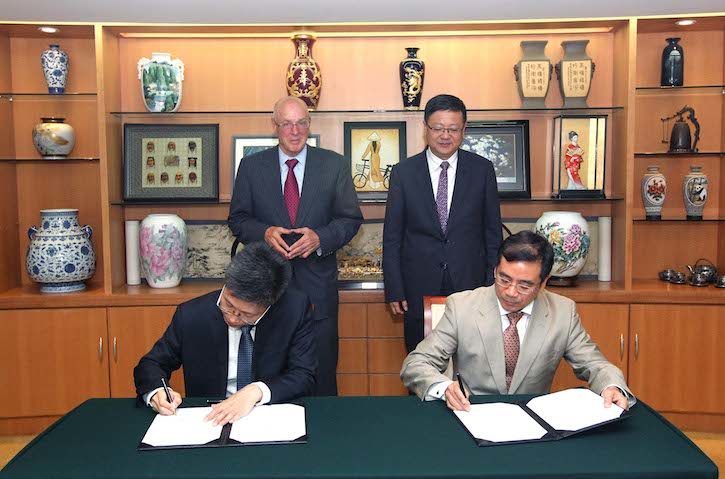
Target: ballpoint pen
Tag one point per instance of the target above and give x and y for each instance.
(460, 384)
(168, 393)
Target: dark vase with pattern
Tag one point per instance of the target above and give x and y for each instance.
(673, 64)
(412, 73)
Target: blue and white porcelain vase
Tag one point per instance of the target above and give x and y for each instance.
(60, 254)
(161, 80)
(55, 65)
(163, 246)
(568, 233)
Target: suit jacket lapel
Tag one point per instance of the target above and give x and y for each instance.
(220, 335)
(270, 176)
(310, 185)
(489, 325)
(536, 332)
(460, 188)
(427, 196)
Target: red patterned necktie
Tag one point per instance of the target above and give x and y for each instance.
(291, 191)
(511, 345)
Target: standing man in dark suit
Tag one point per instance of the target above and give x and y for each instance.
(302, 202)
(442, 221)
(251, 342)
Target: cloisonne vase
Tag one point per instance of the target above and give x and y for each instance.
(412, 74)
(53, 138)
(60, 254)
(161, 82)
(673, 64)
(575, 72)
(163, 246)
(55, 65)
(654, 189)
(694, 191)
(304, 79)
(568, 233)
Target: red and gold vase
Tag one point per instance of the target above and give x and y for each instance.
(304, 79)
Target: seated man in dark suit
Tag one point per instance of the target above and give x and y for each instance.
(252, 342)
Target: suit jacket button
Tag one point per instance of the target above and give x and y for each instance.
(444, 266)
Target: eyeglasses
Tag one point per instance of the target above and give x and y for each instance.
(522, 288)
(250, 319)
(302, 124)
(438, 130)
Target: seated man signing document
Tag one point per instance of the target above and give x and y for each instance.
(251, 342)
(509, 338)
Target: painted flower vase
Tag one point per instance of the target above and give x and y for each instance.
(575, 72)
(53, 138)
(412, 74)
(568, 233)
(55, 65)
(304, 79)
(60, 254)
(161, 82)
(673, 64)
(163, 246)
(654, 189)
(533, 74)
(694, 191)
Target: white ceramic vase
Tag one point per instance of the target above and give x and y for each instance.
(53, 138)
(163, 246)
(654, 190)
(694, 192)
(161, 82)
(568, 233)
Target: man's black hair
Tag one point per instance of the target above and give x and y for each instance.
(258, 274)
(528, 246)
(444, 103)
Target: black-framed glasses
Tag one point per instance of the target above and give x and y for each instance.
(522, 288)
(438, 130)
(302, 124)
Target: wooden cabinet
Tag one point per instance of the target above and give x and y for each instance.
(608, 326)
(52, 360)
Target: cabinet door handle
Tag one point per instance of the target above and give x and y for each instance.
(621, 346)
(636, 346)
(115, 349)
(100, 348)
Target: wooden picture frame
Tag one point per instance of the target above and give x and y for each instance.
(579, 156)
(243, 146)
(168, 163)
(506, 145)
(373, 148)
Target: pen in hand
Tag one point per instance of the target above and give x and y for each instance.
(168, 393)
(460, 384)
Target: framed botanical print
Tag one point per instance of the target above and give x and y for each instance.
(170, 162)
(506, 145)
(373, 148)
(243, 146)
(579, 155)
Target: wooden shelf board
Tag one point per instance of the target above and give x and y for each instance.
(656, 291)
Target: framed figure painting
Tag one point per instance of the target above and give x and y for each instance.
(177, 162)
(506, 145)
(373, 148)
(579, 155)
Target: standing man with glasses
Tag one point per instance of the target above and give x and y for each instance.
(509, 338)
(301, 201)
(251, 343)
(442, 220)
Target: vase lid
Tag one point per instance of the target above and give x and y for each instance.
(653, 168)
(673, 39)
(52, 119)
(57, 211)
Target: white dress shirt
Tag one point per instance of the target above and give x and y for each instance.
(299, 170)
(434, 168)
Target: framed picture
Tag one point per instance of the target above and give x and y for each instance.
(243, 146)
(506, 145)
(373, 148)
(579, 154)
(170, 162)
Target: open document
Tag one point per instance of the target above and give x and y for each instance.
(267, 424)
(544, 418)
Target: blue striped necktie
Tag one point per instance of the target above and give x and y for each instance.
(244, 357)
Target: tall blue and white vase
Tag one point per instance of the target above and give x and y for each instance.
(60, 254)
(163, 247)
(161, 81)
(568, 233)
(55, 65)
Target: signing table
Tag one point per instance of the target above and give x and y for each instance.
(360, 437)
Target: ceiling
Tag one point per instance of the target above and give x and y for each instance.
(328, 11)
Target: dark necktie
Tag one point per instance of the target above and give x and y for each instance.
(291, 191)
(442, 196)
(511, 346)
(244, 357)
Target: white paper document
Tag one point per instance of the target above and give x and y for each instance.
(573, 409)
(500, 422)
(270, 423)
(186, 427)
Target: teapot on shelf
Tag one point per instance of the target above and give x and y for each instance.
(680, 138)
(702, 274)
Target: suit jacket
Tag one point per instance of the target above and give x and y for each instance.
(470, 332)
(197, 339)
(328, 205)
(416, 252)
